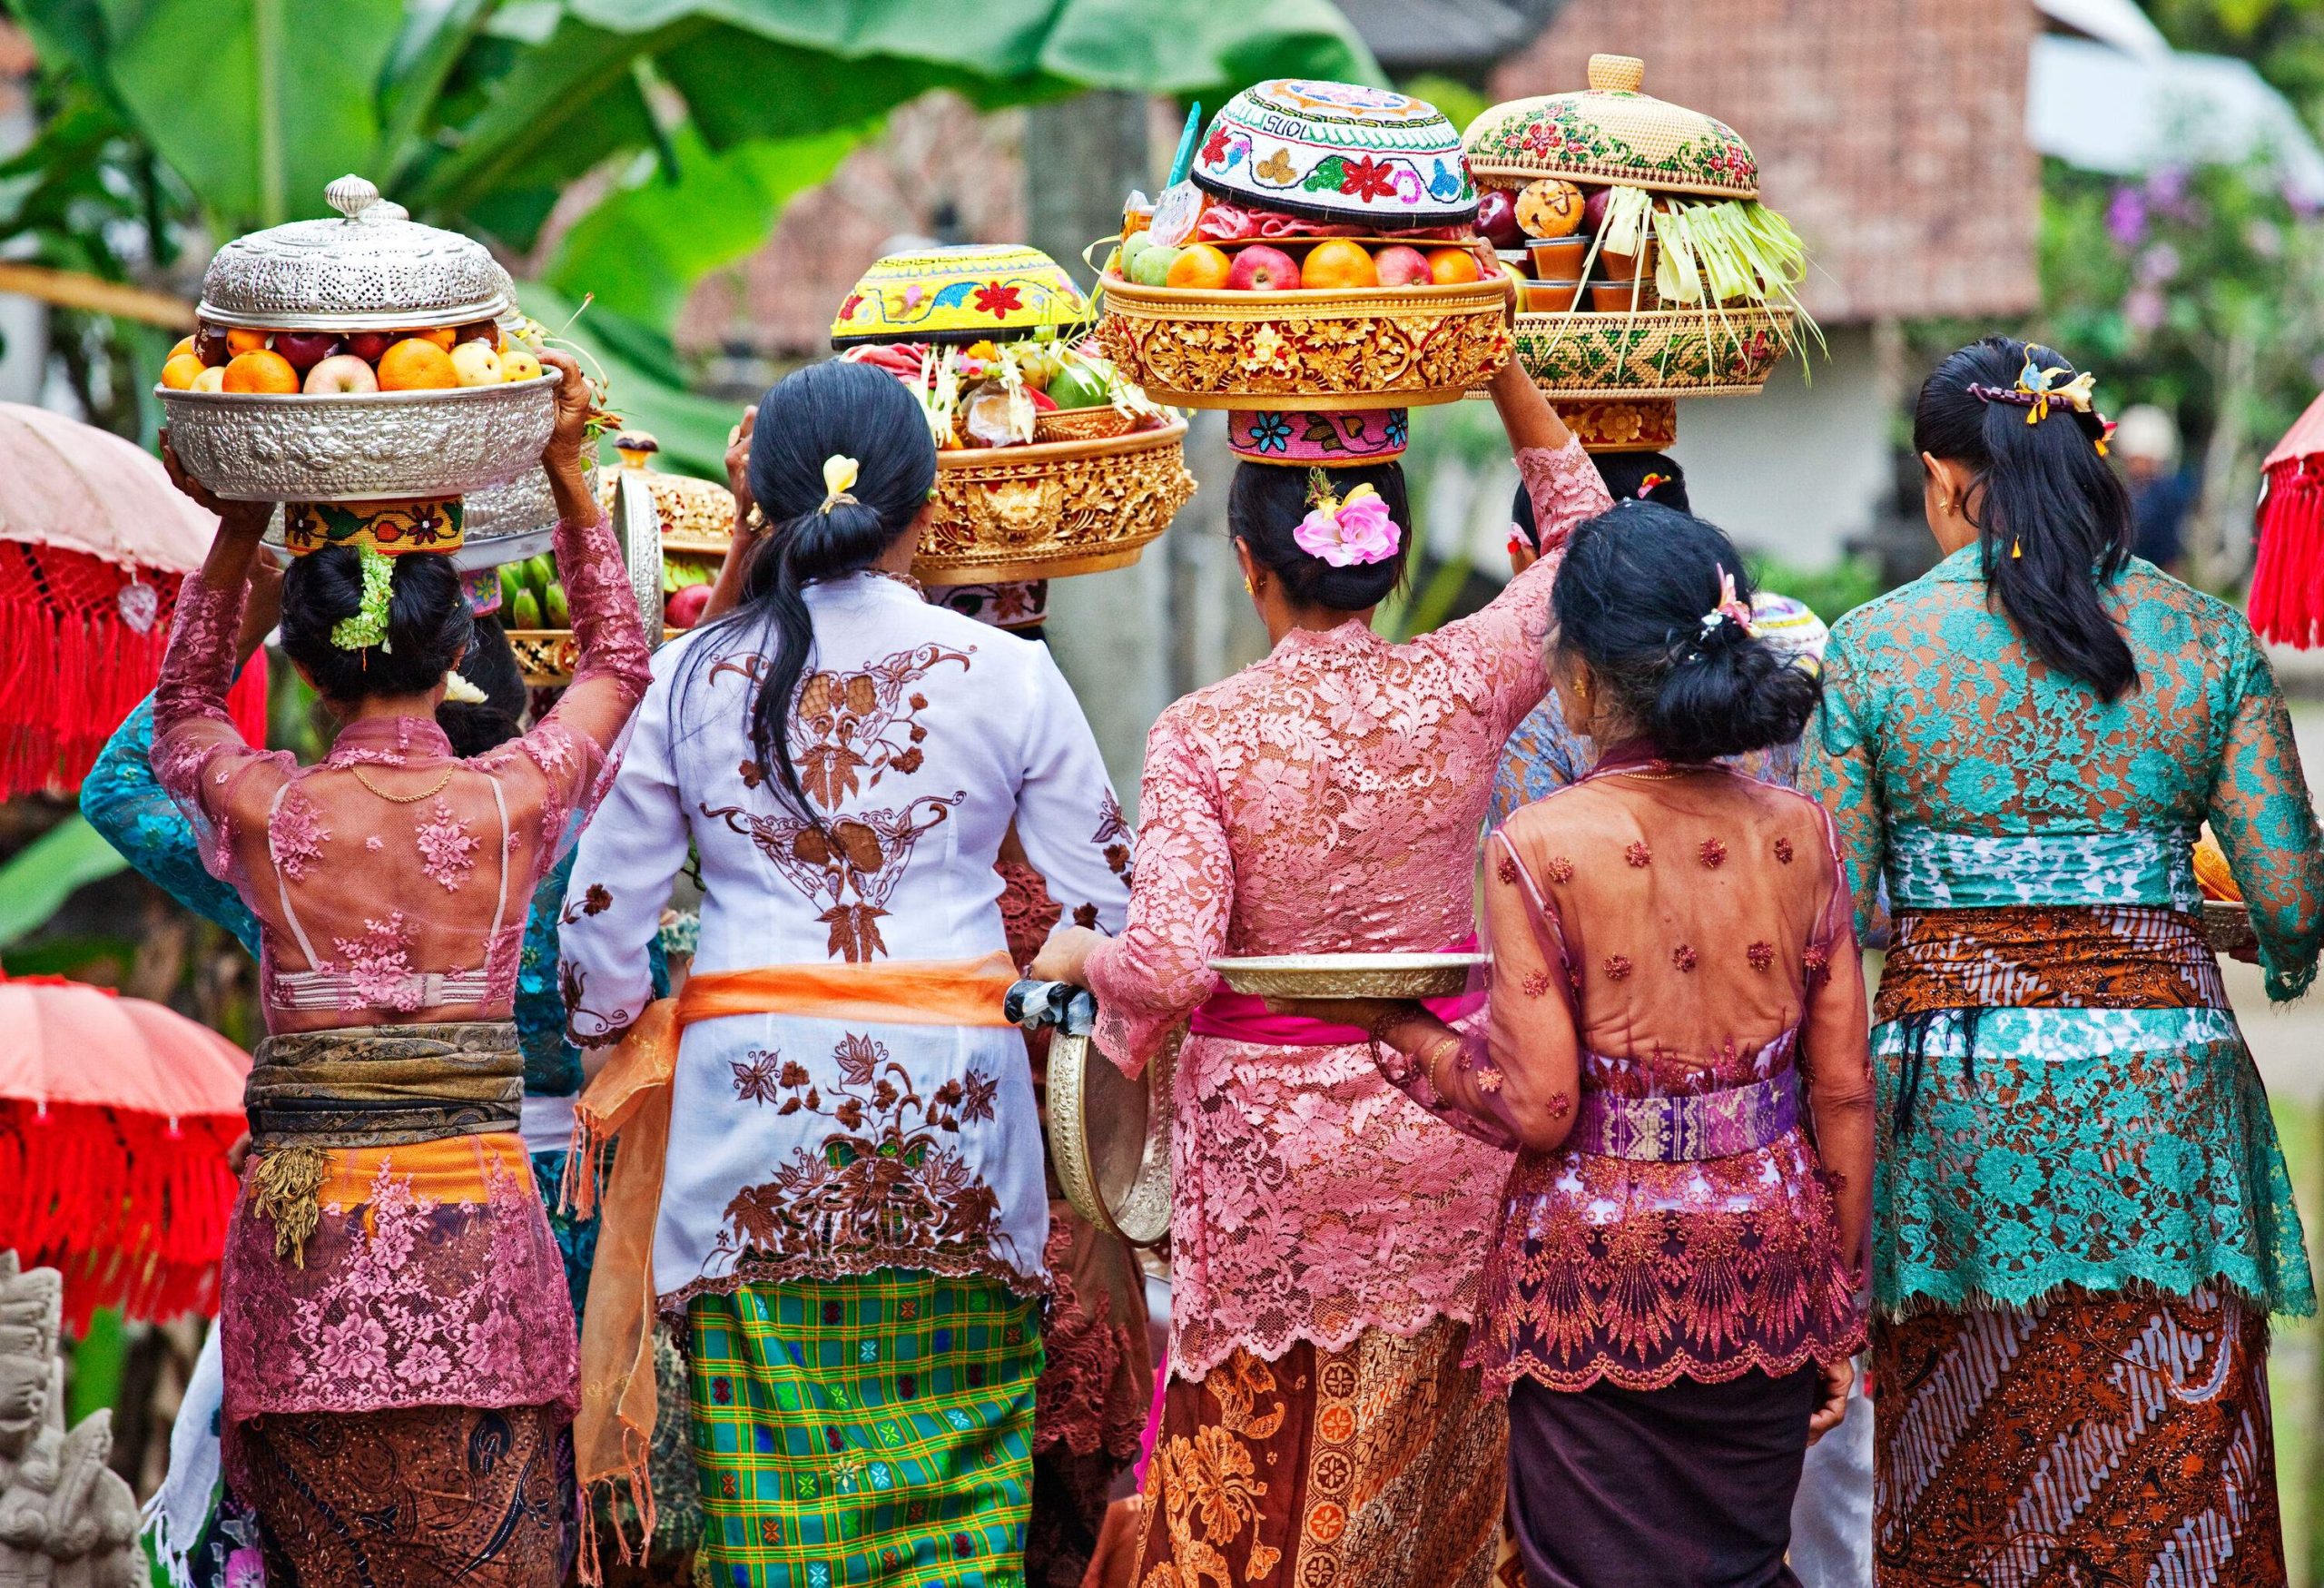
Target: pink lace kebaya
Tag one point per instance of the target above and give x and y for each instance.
(1326, 798)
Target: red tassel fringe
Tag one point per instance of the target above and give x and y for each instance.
(72, 667)
(133, 1208)
(2287, 580)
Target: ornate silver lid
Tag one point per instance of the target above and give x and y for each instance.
(376, 270)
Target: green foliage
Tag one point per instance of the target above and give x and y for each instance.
(2283, 38)
(1830, 592)
(46, 871)
(1460, 102)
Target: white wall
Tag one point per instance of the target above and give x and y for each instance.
(1795, 470)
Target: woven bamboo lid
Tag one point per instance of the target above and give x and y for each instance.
(1612, 132)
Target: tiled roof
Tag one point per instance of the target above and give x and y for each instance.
(1890, 133)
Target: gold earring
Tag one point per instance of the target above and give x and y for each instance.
(1249, 589)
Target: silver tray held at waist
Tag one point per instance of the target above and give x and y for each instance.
(1357, 975)
(1109, 1135)
(358, 447)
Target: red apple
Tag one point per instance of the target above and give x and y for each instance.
(1261, 268)
(683, 610)
(305, 349)
(341, 373)
(1497, 219)
(479, 331)
(1402, 267)
(367, 345)
(1593, 208)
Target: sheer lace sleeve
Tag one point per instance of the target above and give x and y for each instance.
(1067, 820)
(628, 857)
(1836, 767)
(1158, 971)
(1564, 486)
(1835, 1054)
(126, 803)
(2261, 812)
(198, 756)
(570, 745)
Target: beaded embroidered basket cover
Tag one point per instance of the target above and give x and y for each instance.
(1089, 493)
(1339, 152)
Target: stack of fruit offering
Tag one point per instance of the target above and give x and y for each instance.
(1323, 248)
(1050, 461)
(1648, 268)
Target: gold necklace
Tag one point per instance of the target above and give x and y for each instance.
(441, 784)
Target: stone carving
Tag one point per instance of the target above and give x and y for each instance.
(66, 1519)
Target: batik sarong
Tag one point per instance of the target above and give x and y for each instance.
(413, 1498)
(2081, 1439)
(873, 1429)
(1376, 1466)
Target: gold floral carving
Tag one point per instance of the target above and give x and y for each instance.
(1356, 347)
(1047, 511)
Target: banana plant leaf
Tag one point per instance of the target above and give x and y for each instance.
(34, 884)
(691, 428)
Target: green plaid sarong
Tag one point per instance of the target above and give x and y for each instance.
(873, 1429)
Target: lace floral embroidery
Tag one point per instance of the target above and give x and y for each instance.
(296, 834)
(1637, 855)
(1559, 869)
(1713, 852)
(852, 864)
(447, 847)
(1683, 957)
(1783, 851)
(379, 964)
(1762, 955)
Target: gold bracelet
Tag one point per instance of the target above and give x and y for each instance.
(1436, 1052)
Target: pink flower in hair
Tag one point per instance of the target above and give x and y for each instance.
(1349, 531)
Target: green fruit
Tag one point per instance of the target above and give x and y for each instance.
(552, 607)
(525, 610)
(1152, 268)
(540, 572)
(1136, 243)
(1078, 386)
(512, 583)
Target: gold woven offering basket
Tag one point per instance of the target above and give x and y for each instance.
(1357, 975)
(1340, 348)
(1654, 352)
(1053, 509)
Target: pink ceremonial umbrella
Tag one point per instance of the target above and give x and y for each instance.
(115, 1118)
(94, 541)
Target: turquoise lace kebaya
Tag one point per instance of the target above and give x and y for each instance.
(2090, 1139)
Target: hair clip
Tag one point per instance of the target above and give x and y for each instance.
(1646, 486)
(1348, 531)
(1731, 607)
(2037, 389)
(838, 480)
(458, 691)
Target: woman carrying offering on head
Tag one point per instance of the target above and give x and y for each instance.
(397, 1339)
(1675, 1047)
(1326, 1234)
(2085, 1219)
(849, 1211)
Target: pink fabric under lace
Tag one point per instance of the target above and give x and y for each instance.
(1326, 798)
(391, 885)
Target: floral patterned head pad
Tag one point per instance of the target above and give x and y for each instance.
(1337, 151)
(1318, 440)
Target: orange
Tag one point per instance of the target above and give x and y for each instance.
(260, 370)
(1446, 265)
(1338, 262)
(177, 374)
(185, 345)
(245, 341)
(1199, 266)
(416, 364)
(443, 336)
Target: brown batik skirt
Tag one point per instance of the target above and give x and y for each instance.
(412, 1498)
(1377, 1466)
(2089, 1439)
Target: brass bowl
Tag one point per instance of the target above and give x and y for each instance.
(1109, 1137)
(1051, 509)
(1371, 975)
(1355, 346)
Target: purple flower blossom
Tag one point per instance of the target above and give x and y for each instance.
(2144, 307)
(2166, 190)
(2159, 263)
(2126, 218)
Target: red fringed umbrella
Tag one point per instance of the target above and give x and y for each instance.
(2288, 582)
(115, 1118)
(94, 541)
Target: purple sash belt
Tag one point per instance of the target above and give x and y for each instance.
(1683, 1129)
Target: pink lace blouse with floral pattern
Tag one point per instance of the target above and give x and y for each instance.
(390, 882)
(1326, 798)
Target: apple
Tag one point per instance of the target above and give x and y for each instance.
(1402, 267)
(1151, 268)
(683, 610)
(486, 331)
(1497, 219)
(1136, 243)
(211, 378)
(341, 374)
(477, 364)
(1078, 386)
(519, 363)
(367, 345)
(1261, 268)
(303, 349)
(1593, 208)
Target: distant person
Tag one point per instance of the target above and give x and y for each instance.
(2146, 439)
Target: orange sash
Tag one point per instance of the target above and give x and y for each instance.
(630, 1098)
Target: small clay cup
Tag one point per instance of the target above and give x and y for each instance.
(1551, 297)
